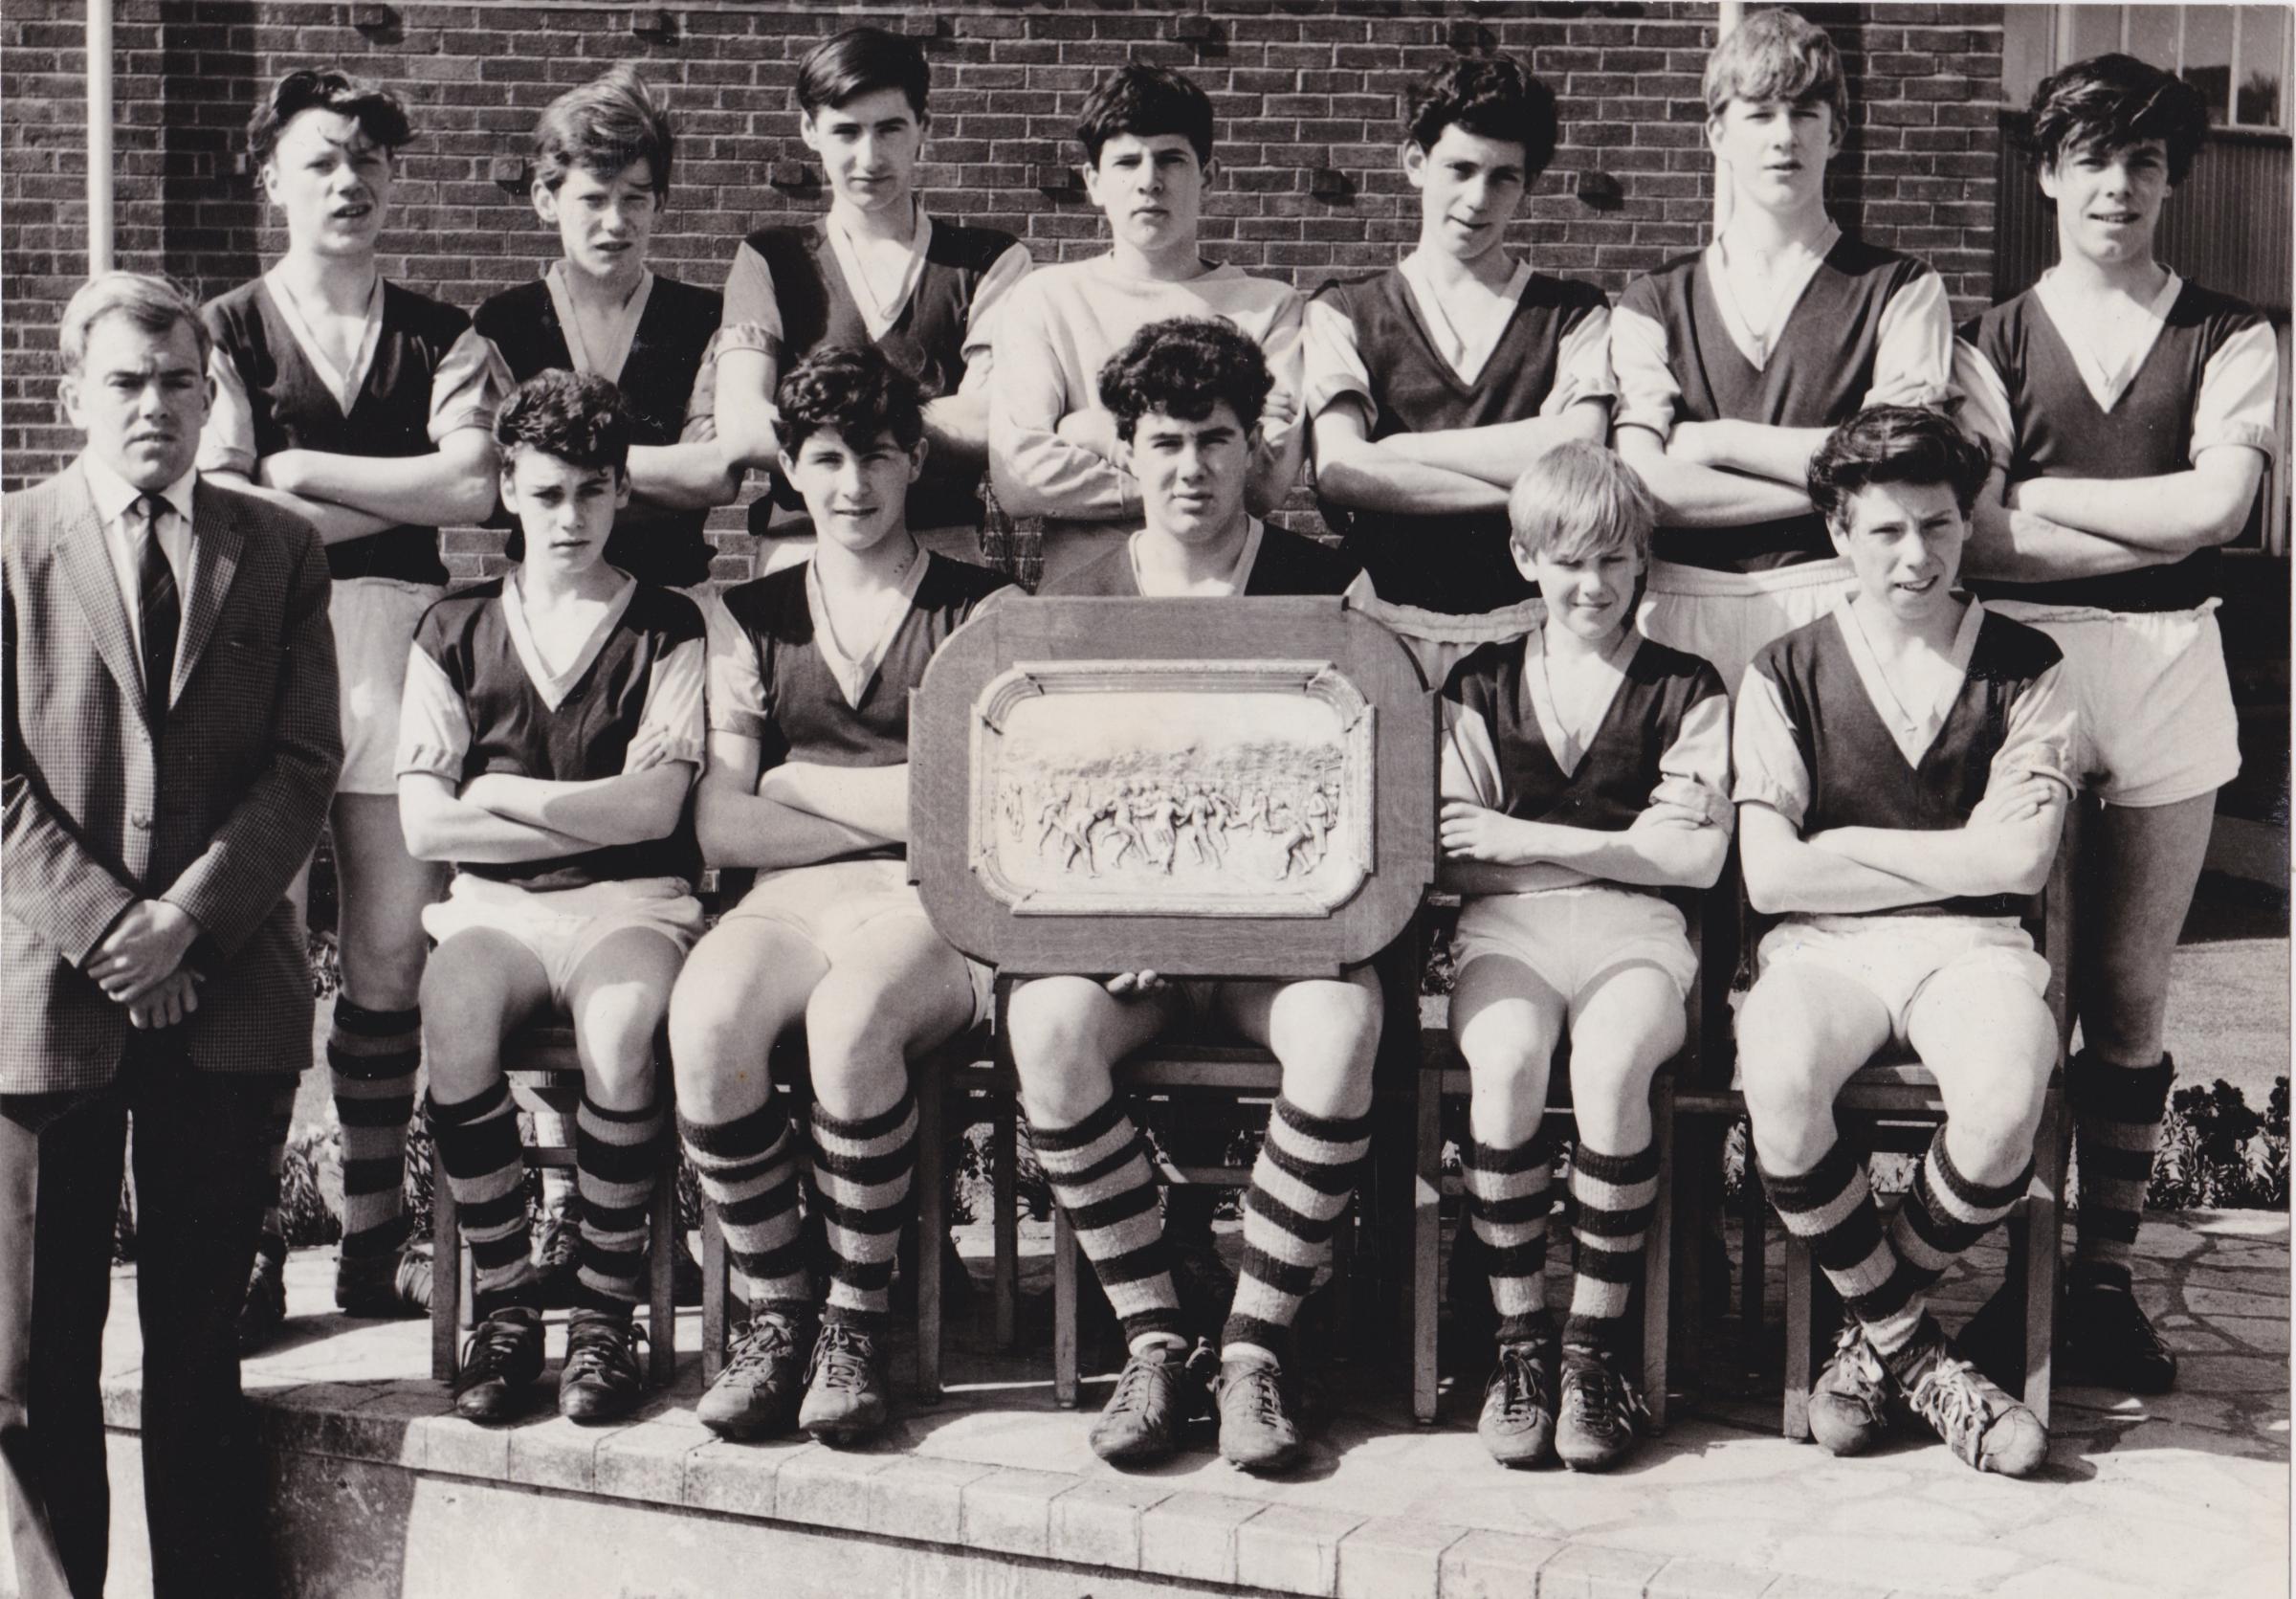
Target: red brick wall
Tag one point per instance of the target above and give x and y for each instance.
(1301, 88)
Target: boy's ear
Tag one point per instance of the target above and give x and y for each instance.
(916, 456)
(806, 131)
(623, 486)
(545, 204)
(1837, 132)
(786, 465)
(1522, 561)
(1415, 163)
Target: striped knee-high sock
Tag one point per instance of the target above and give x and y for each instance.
(1830, 1206)
(617, 1161)
(861, 1172)
(1943, 1216)
(271, 1237)
(747, 1169)
(371, 1058)
(478, 1143)
(1098, 1170)
(1507, 1205)
(2117, 1117)
(1614, 1196)
(550, 1131)
(1300, 1185)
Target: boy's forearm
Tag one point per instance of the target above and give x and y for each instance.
(1954, 862)
(1370, 477)
(1665, 854)
(2170, 516)
(1276, 465)
(1781, 454)
(738, 828)
(448, 486)
(1799, 876)
(333, 523)
(627, 807)
(871, 799)
(442, 827)
(1499, 454)
(956, 427)
(682, 477)
(1693, 495)
(2014, 546)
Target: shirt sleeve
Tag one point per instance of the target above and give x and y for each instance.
(1282, 349)
(1914, 351)
(434, 726)
(1035, 471)
(1985, 414)
(980, 323)
(1764, 749)
(673, 702)
(2038, 742)
(1646, 390)
(2235, 405)
(753, 316)
(469, 386)
(701, 404)
(1331, 364)
(226, 442)
(737, 688)
(1470, 762)
(1582, 364)
(1695, 769)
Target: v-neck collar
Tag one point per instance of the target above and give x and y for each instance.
(1568, 744)
(341, 385)
(2106, 384)
(1912, 728)
(878, 316)
(1757, 344)
(622, 328)
(554, 687)
(854, 673)
(1239, 576)
(1464, 357)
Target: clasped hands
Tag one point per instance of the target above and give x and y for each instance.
(140, 964)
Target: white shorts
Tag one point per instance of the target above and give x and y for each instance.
(1897, 958)
(1572, 938)
(1439, 640)
(1727, 617)
(373, 618)
(2157, 723)
(560, 926)
(833, 903)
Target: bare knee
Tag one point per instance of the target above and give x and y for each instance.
(616, 1035)
(1509, 1075)
(1057, 1049)
(857, 1047)
(463, 1019)
(1790, 1084)
(719, 1044)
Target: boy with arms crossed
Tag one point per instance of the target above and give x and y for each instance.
(1184, 397)
(1734, 362)
(1901, 774)
(2131, 414)
(363, 408)
(876, 270)
(552, 728)
(1432, 386)
(1055, 452)
(810, 671)
(601, 158)
(1584, 769)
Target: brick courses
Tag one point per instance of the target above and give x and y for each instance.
(1303, 90)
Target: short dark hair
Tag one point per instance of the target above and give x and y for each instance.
(1144, 101)
(859, 61)
(1490, 96)
(374, 108)
(1894, 444)
(855, 389)
(602, 127)
(1777, 54)
(580, 419)
(2108, 102)
(1184, 366)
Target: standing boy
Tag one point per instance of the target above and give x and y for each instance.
(1184, 398)
(1053, 448)
(811, 667)
(1585, 770)
(1903, 766)
(1432, 386)
(2131, 414)
(1733, 364)
(876, 270)
(552, 728)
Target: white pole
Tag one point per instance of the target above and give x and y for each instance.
(100, 136)
(1728, 14)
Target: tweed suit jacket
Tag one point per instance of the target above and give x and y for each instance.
(214, 815)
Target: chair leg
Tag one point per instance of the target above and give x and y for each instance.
(2044, 1218)
(716, 1284)
(931, 1181)
(1427, 1242)
(446, 1279)
(1754, 1266)
(1005, 1157)
(661, 1325)
(1801, 1288)
(1063, 1311)
(1658, 1250)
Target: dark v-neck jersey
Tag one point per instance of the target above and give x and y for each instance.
(926, 339)
(1286, 564)
(290, 408)
(1818, 374)
(513, 728)
(1614, 780)
(666, 353)
(1458, 564)
(1858, 775)
(2063, 432)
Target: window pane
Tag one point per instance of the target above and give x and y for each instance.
(2026, 34)
(2097, 28)
(2208, 55)
(2152, 35)
(2263, 66)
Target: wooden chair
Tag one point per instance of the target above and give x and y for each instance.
(541, 1060)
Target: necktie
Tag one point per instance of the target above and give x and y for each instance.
(161, 612)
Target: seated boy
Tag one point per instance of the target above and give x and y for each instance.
(1184, 397)
(876, 271)
(551, 729)
(1585, 770)
(1901, 774)
(1433, 384)
(810, 671)
(602, 177)
(2130, 416)
(1732, 363)
(1054, 451)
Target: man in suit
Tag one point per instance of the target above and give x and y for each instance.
(171, 747)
